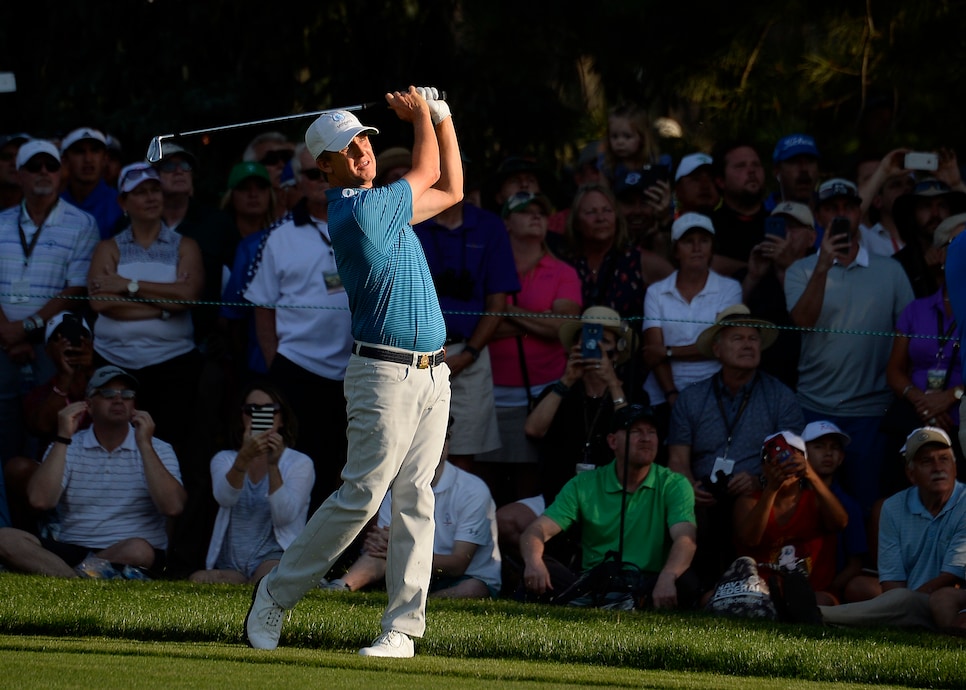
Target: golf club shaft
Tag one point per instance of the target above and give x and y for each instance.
(254, 123)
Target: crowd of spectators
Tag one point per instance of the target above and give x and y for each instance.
(779, 368)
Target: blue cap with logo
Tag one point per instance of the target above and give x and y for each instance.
(794, 145)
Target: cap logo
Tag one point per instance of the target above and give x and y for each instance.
(922, 436)
(346, 193)
(632, 178)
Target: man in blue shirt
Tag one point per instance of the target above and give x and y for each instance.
(83, 152)
(922, 538)
(396, 384)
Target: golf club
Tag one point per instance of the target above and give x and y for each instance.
(155, 153)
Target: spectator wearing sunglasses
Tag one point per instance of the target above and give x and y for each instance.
(262, 488)
(145, 280)
(45, 252)
(117, 516)
(274, 151)
(84, 155)
(305, 342)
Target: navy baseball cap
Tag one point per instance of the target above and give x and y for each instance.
(626, 417)
(794, 145)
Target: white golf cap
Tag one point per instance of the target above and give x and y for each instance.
(33, 147)
(920, 437)
(817, 430)
(690, 163)
(793, 209)
(690, 221)
(84, 133)
(334, 131)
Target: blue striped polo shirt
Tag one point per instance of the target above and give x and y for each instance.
(382, 266)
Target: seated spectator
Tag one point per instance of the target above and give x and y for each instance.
(790, 518)
(717, 426)
(262, 490)
(825, 447)
(466, 559)
(641, 511)
(678, 308)
(572, 418)
(118, 515)
(69, 346)
(922, 539)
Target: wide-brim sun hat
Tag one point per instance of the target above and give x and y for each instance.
(735, 315)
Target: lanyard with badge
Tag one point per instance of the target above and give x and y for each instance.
(20, 289)
(937, 377)
(722, 463)
(333, 281)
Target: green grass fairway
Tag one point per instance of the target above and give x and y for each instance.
(107, 634)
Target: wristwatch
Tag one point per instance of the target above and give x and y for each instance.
(132, 288)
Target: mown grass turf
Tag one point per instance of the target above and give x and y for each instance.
(497, 635)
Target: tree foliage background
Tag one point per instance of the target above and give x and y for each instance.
(522, 77)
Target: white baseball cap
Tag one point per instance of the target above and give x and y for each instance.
(80, 135)
(690, 221)
(816, 430)
(334, 131)
(920, 437)
(690, 163)
(33, 147)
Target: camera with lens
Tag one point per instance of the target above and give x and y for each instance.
(458, 286)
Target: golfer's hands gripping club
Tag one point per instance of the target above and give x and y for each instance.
(438, 108)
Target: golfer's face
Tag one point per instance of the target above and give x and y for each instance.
(355, 165)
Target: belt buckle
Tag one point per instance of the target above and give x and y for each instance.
(422, 362)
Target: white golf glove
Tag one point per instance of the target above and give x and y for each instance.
(438, 108)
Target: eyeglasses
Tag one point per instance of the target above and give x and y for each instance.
(277, 156)
(111, 393)
(37, 162)
(249, 408)
(313, 174)
(172, 166)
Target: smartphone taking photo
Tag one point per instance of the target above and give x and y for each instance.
(590, 341)
(263, 416)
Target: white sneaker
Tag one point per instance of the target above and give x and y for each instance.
(263, 624)
(390, 644)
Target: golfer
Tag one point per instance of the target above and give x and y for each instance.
(396, 384)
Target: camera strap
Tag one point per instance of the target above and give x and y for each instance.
(730, 426)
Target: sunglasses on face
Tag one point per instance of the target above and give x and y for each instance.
(313, 174)
(172, 166)
(277, 156)
(111, 393)
(249, 408)
(35, 164)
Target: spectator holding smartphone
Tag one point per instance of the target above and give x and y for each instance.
(262, 488)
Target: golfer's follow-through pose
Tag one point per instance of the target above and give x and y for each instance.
(396, 385)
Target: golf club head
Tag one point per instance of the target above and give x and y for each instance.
(155, 152)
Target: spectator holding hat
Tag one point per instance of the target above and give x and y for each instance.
(842, 375)
(644, 204)
(45, 252)
(922, 539)
(84, 154)
(678, 308)
(525, 353)
(790, 518)
(694, 188)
